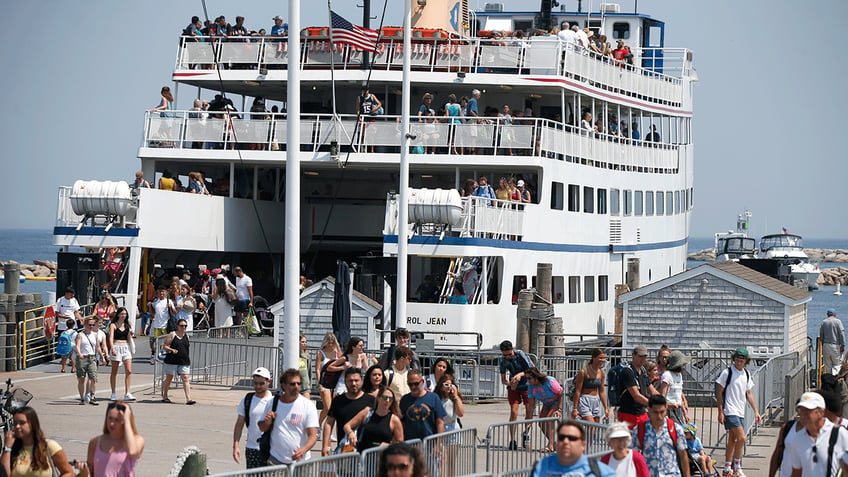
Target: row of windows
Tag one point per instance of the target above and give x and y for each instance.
(580, 289)
(621, 202)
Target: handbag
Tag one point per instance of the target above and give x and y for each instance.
(329, 379)
(231, 297)
(265, 439)
(171, 325)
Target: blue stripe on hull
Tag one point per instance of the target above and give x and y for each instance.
(96, 231)
(536, 246)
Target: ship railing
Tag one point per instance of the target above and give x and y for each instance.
(481, 218)
(496, 136)
(65, 216)
(658, 80)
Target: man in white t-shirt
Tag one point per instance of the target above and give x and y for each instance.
(568, 38)
(67, 308)
(294, 421)
(809, 452)
(90, 346)
(161, 309)
(734, 388)
(259, 399)
(244, 293)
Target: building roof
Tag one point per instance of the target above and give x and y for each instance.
(327, 285)
(733, 272)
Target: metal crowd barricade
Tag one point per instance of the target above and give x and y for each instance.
(522, 472)
(500, 458)
(453, 453)
(596, 442)
(272, 471)
(339, 465)
(221, 362)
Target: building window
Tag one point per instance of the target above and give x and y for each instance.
(588, 289)
(669, 203)
(649, 202)
(573, 198)
(574, 289)
(556, 195)
(660, 202)
(637, 203)
(603, 287)
(589, 200)
(602, 201)
(615, 202)
(628, 202)
(558, 289)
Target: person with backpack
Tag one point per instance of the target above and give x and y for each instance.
(821, 449)
(516, 363)
(65, 345)
(251, 410)
(633, 389)
(661, 441)
(569, 458)
(735, 386)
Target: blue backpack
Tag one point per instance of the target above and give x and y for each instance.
(63, 345)
(616, 388)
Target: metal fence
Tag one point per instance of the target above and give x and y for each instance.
(273, 471)
(452, 453)
(341, 465)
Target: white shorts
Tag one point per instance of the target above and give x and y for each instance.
(121, 352)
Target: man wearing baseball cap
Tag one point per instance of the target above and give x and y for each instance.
(735, 386)
(832, 335)
(251, 410)
(637, 389)
(820, 444)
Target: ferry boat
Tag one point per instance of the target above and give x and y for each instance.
(603, 145)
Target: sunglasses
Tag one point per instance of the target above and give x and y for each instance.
(815, 456)
(391, 467)
(562, 437)
(260, 383)
(296, 383)
(119, 407)
(387, 398)
(414, 383)
(183, 326)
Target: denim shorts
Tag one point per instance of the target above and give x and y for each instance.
(733, 421)
(177, 369)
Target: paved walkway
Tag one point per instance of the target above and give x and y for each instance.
(168, 428)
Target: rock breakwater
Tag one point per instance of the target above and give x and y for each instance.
(39, 268)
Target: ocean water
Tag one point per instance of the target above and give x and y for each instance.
(24, 246)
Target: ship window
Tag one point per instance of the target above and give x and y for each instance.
(558, 289)
(519, 282)
(602, 201)
(588, 289)
(649, 202)
(573, 198)
(603, 287)
(677, 202)
(638, 205)
(628, 202)
(621, 30)
(574, 289)
(660, 202)
(556, 195)
(669, 203)
(615, 204)
(523, 25)
(589, 200)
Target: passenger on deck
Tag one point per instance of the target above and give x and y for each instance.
(453, 111)
(514, 194)
(582, 37)
(167, 182)
(567, 37)
(503, 191)
(523, 192)
(468, 188)
(196, 184)
(653, 136)
(620, 52)
(193, 28)
(586, 124)
(166, 101)
(425, 107)
(426, 291)
(458, 296)
(634, 132)
(239, 29)
(484, 190)
(279, 28)
(139, 182)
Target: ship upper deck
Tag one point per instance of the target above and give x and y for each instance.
(658, 81)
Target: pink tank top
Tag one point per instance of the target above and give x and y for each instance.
(114, 464)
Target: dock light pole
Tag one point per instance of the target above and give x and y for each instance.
(403, 207)
(291, 276)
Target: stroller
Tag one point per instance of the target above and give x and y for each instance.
(264, 317)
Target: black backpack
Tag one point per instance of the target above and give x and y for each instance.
(616, 388)
(265, 438)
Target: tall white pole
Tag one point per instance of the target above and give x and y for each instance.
(403, 203)
(291, 276)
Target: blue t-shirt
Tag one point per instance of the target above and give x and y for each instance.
(695, 446)
(419, 415)
(517, 364)
(279, 30)
(471, 107)
(550, 467)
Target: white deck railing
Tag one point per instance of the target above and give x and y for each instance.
(185, 130)
(481, 218)
(660, 82)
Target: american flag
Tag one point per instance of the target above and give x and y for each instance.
(343, 31)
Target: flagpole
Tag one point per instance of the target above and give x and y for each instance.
(291, 276)
(403, 203)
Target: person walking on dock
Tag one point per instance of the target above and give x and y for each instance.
(735, 386)
(820, 445)
(832, 335)
(251, 411)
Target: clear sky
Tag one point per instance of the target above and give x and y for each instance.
(77, 77)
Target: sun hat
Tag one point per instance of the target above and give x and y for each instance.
(811, 401)
(690, 428)
(677, 359)
(616, 430)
